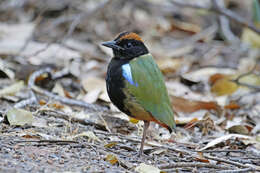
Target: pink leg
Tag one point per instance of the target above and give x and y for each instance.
(146, 125)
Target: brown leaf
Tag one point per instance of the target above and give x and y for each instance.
(239, 129)
(188, 106)
(232, 105)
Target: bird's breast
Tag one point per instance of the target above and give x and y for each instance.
(115, 83)
(119, 77)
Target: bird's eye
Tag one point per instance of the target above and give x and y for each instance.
(128, 45)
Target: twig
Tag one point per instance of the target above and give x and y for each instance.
(224, 25)
(237, 170)
(26, 102)
(53, 96)
(199, 165)
(47, 141)
(105, 123)
(223, 11)
(226, 161)
(219, 151)
(68, 117)
(138, 140)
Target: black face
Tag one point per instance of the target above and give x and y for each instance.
(126, 48)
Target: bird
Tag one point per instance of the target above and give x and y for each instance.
(135, 84)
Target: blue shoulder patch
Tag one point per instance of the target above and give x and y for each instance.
(127, 74)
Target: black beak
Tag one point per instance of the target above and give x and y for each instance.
(112, 44)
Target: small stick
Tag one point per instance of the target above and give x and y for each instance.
(218, 151)
(226, 161)
(237, 170)
(199, 165)
(47, 141)
(26, 102)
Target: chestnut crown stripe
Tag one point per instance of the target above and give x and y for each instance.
(131, 35)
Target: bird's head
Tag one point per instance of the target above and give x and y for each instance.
(127, 45)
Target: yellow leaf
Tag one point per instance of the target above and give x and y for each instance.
(110, 145)
(250, 37)
(223, 87)
(111, 159)
(133, 120)
(251, 79)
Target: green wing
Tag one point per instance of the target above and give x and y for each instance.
(150, 91)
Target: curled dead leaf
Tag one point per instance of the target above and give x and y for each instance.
(111, 159)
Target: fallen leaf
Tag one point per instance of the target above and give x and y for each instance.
(19, 117)
(92, 96)
(215, 77)
(239, 129)
(188, 106)
(110, 145)
(12, 89)
(169, 65)
(250, 37)
(222, 139)
(232, 105)
(224, 86)
(111, 159)
(251, 79)
(95, 88)
(204, 74)
(143, 168)
(28, 136)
